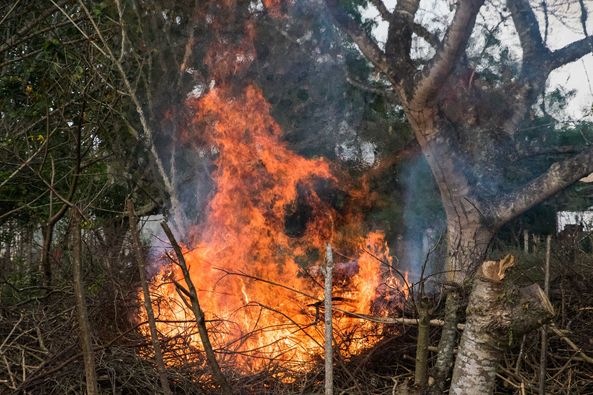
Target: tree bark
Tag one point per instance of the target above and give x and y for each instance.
(44, 262)
(496, 314)
(467, 243)
(81, 308)
(154, 336)
(447, 342)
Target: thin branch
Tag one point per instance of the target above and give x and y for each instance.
(26, 162)
(364, 42)
(546, 22)
(327, 302)
(380, 91)
(140, 262)
(583, 18)
(571, 344)
(14, 5)
(198, 313)
(541, 149)
(28, 26)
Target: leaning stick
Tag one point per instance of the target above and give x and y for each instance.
(544, 340)
(140, 262)
(329, 368)
(198, 313)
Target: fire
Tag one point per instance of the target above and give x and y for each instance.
(256, 257)
(260, 288)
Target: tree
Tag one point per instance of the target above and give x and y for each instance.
(468, 126)
(62, 134)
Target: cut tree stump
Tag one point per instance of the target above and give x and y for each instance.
(497, 314)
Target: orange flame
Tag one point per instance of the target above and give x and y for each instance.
(260, 288)
(255, 259)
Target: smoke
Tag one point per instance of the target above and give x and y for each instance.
(423, 219)
(290, 52)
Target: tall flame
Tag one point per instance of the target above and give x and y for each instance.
(259, 287)
(255, 259)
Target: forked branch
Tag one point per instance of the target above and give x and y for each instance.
(365, 43)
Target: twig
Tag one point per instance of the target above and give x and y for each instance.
(571, 344)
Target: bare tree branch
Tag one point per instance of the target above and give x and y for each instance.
(535, 67)
(140, 262)
(28, 26)
(427, 35)
(584, 15)
(380, 6)
(571, 52)
(27, 161)
(381, 91)
(527, 28)
(559, 176)
(399, 38)
(447, 56)
(199, 314)
(364, 42)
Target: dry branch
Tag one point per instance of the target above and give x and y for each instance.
(422, 343)
(544, 340)
(571, 344)
(329, 367)
(199, 314)
(158, 354)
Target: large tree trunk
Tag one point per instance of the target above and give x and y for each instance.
(495, 313)
(468, 232)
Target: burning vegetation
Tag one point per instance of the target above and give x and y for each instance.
(256, 256)
(255, 259)
(115, 111)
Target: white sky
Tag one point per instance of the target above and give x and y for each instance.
(577, 75)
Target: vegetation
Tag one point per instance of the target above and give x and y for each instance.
(442, 128)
